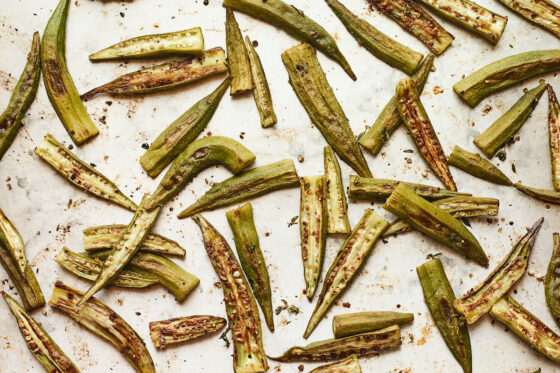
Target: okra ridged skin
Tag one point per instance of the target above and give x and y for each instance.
(363, 322)
(439, 297)
(347, 365)
(474, 164)
(11, 240)
(183, 329)
(337, 206)
(106, 323)
(543, 13)
(246, 185)
(552, 280)
(545, 195)
(238, 60)
(554, 136)
(62, 92)
(478, 301)
(251, 258)
(310, 84)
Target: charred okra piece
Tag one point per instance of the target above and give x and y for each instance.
(310, 84)
(337, 207)
(478, 301)
(238, 60)
(552, 280)
(543, 13)
(474, 164)
(550, 196)
(439, 298)
(350, 258)
(554, 136)
(183, 329)
(435, 223)
(165, 76)
(414, 116)
(363, 322)
(60, 87)
(496, 136)
(43, 347)
(188, 41)
(246, 185)
(106, 323)
(251, 257)
(348, 365)
(241, 308)
(12, 242)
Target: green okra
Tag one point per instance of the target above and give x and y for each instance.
(350, 258)
(23, 95)
(182, 132)
(12, 242)
(246, 185)
(80, 173)
(543, 13)
(389, 119)
(198, 156)
(474, 164)
(168, 75)
(478, 301)
(498, 134)
(106, 323)
(43, 347)
(505, 73)
(60, 87)
(550, 196)
(363, 322)
(435, 223)
(337, 207)
(552, 280)
(347, 365)
(184, 329)
(295, 23)
(377, 43)
(238, 60)
(251, 258)
(416, 119)
(554, 136)
(310, 84)
(241, 307)
(439, 298)
(188, 41)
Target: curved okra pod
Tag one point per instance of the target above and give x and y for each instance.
(106, 323)
(552, 280)
(238, 60)
(11, 240)
(241, 308)
(543, 13)
(183, 329)
(474, 164)
(310, 84)
(439, 298)
(550, 196)
(348, 365)
(350, 258)
(80, 173)
(246, 185)
(362, 322)
(337, 207)
(554, 136)
(478, 301)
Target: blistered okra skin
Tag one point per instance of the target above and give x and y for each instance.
(337, 206)
(552, 280)
(183, 329)
(12, 242)
(544, 13)
(554, 136)
(545, 195)
(347, 365)
(238, 60)
(362, 322)
(477, 166)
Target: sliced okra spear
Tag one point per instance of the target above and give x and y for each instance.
(363, 322)
(348, 365)
(337, 207)
(477, 166)
(238, 60)
(183, 329)
(554, 136)
(552, 280)
(550, 196)
(12, 242)
(543, 13)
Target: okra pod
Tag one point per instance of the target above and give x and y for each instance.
(12, 242)
(238, 60)
(348, 365)
(350, 258)
(363, 322)
(241, 308)
(294, 22)
(310, 84)
(251, 257)
(198, 156)
(552, 280)
(60, 87)
(550, 196)
(337, 207)
(188, 41)
(246, 185)
(435, 223)
(543, 13)
(478, 301)
(165, 76)
(416, 119)
(474, 164)
(554, 136)
(106, 323)
(439, 298)
(496, 136)
(43, 347)
(183, 329)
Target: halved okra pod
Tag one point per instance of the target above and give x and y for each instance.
(478, 301)
(310, 84)
(350, 258)
(337, 207)
(241, 307)
(362, 322)
(348, 365)
(251, 257)
(12, 242)
(545, 195)
(554, 136)
(552, 280)
(238, 60)
(106, 323)
(477, 166)
(439, 298)
(543, 13)
(183, 329)
(60, 87)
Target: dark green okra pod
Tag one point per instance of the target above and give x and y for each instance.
(545, 195)
(474, 164)
(543, 13)
(337, 207)
(183, 329)
(348, 365)
(552, 280)
(238, 60)
(554, 136)
(11, 240)
(362, 322)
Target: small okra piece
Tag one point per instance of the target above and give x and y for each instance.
(498, 134)
(165, 76)
(251, 258)
(12, 242)
(414, 116)
(347, 365)
(188, 41)
(550, 196)
(543, 13)
(434, 222)
(552, 280)
(310, 84)
(80, 173)
(554, 136)
(246, 185)
(237, 58)
(43, 347)
(184, 329)
(474, 164)
(106, 323)
(478, 301)
(351, 256)
(241, 307)
(62, 92)
(363, 322)
(439, 298)
(337, 207)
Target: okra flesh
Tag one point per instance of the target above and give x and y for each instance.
(12, 242)
(347, 365)
(474, 164)
(183, 329)
(554, 136)
(238, 60)
(545, 195)
(363, 322)
(552, 280)
(310, 84)
(543, 13)
(337, 206)
(478, 301)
